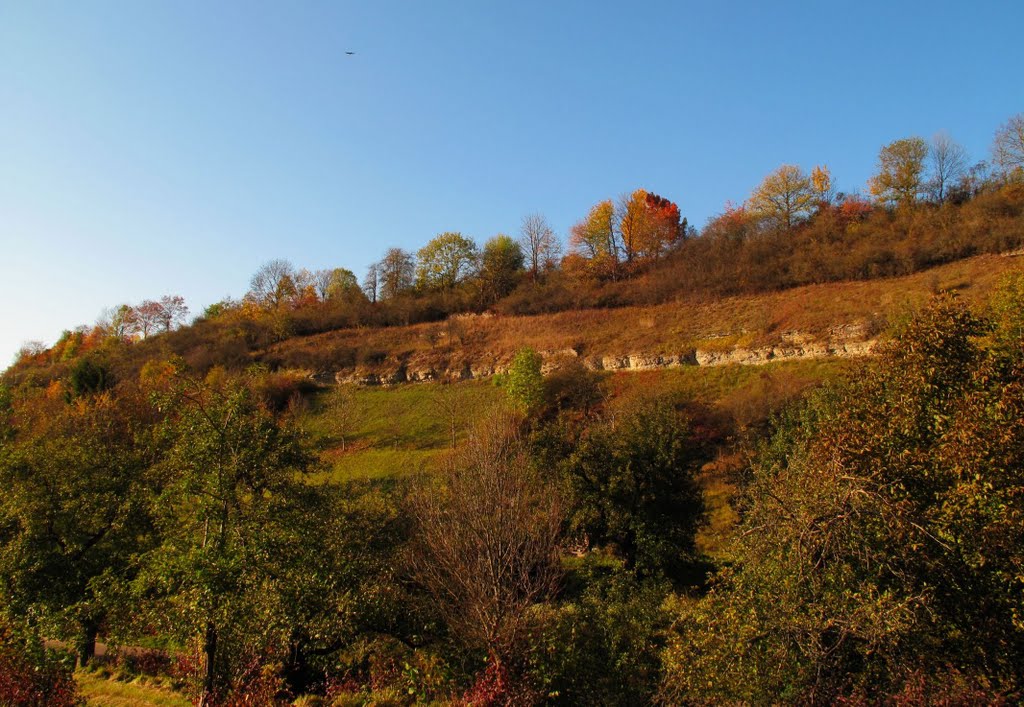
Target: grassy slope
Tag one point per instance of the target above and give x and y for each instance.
(373, 433)
(663, 329)
(369, 433)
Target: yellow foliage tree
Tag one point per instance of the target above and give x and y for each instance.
(783, 197)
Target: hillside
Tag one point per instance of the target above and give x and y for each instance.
(815, 321)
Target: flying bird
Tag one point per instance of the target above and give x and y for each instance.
(350, 53)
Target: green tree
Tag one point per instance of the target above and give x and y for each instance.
(225, 511)
(445, 261)
(881, 538)
(632, 487)
(524, 382)
(74, 511)
(901, 166)
(501, 265)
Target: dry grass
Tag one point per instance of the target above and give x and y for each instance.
(666, 329)
(103, 691)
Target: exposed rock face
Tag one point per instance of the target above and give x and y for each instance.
(842, 342)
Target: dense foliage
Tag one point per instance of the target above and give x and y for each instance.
(159, 487)
(882, 535)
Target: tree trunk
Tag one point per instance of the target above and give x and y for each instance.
(87, 642)
(210, 652)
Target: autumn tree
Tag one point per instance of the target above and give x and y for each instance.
(118, 322)
(445, 261)
(173, 311)
(395, 274)
(273, 283)
(822, 186)
(901, 169)
(539, 244)
(486, 541)
(501, 265)
(595, 239)
(948, 165)
(648, 225)
(149, 316)
(881, 535)
(1008, 146)
(785, 196)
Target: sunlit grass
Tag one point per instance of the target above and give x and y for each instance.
(104, 691)
(372, 433)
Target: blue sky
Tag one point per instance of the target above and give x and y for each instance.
(156, 147)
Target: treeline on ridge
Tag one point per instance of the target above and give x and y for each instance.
(927, 206)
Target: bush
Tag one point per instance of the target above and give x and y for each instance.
(881, 536)
(32, 676)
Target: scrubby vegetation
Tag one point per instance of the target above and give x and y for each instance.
(586, 554)
(819, 531)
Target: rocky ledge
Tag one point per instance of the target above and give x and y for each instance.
(841, 342)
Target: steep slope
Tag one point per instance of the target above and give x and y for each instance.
(828, 320)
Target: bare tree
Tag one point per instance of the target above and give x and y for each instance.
(448, 402)
(173, 311)
(148, 316)
(487, 544)
(396, 273)
(1008, 146)
(949, 164)
(266, 284)
(371, 283)
(540, 244)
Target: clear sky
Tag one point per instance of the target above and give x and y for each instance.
(173, 146)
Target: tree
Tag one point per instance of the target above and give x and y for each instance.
(272, 283)
(173, 311)
(1008, 146)
(74, 513)
(783, 197)
(595, 239)
(949, 165)
(900, 175)
(395, 274)
(633, 488)
(539, 245)
(822, 186)
(882, 534)
(226, 485)
(445, 261)
(118, 322)
(501, 265)
(336, 283)
(524, 382)
(371, 283)
(148, 317)
(486, 541)
(648, 225)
